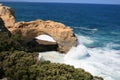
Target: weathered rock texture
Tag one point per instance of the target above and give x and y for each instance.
(7, 14)
(63, 35)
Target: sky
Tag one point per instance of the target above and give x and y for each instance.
(73, 1)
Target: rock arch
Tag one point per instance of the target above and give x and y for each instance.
(62, 34)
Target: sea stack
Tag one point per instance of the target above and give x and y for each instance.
(63, 35)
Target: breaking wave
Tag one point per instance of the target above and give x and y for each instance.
(84, 39)
(86, 30)
(99, 61)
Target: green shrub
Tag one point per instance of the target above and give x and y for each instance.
(16, 64)
(10, 43)
(19, 65)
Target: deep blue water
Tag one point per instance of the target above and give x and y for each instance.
(98, 23)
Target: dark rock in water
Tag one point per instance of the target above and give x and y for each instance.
(36, 45)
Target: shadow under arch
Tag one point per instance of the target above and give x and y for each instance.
(42, 44)
(2, 27)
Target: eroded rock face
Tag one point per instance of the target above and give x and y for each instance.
(7, 15)
(62, 34)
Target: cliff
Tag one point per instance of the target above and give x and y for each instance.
(63, 35)
(8, 15)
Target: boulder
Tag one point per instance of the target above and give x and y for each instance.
(8, 16)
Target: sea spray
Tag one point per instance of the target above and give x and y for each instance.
(53, 56)
(76, 53)
(99, 61)
(84, 39)
(103, 62)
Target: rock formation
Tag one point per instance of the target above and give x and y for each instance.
(62, 34)
(7, 15)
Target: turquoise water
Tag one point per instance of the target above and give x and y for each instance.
(96, 26)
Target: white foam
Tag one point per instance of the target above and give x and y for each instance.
(45, 38)
(78, 52)
(112, 45)
(84, 28)
(52, 56)
(84, 39)
(101, 62)
(104, 62)
(115, 33)
(87, 30)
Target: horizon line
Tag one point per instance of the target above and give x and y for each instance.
(60, 2)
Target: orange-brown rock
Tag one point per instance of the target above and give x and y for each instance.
(62, 34)
(7, 15)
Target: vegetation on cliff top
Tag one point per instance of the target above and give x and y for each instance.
(20, 65)
(10, 43)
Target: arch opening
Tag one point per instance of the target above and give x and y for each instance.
(42, 43)
(45, 37)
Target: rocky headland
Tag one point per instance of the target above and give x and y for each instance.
(63, 35)
(18, 64)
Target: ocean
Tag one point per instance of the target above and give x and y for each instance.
(97, 27)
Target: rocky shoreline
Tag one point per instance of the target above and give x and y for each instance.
(16, 61)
